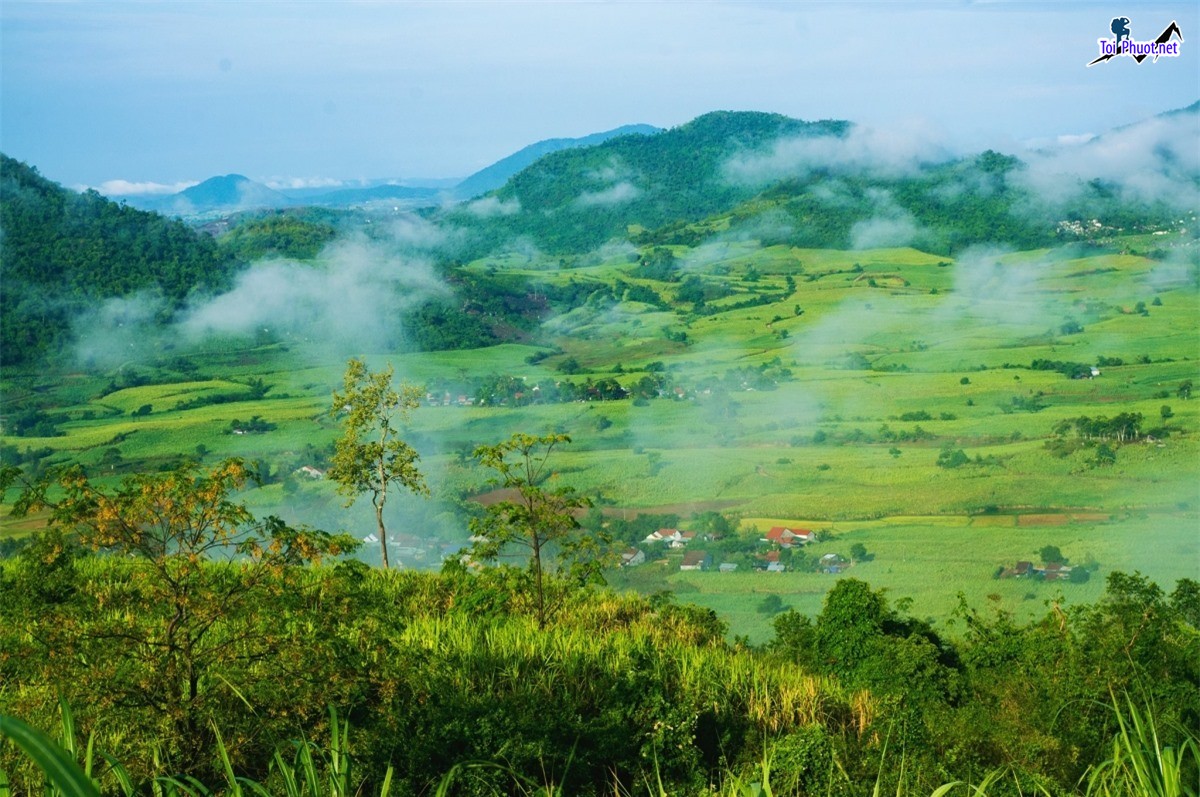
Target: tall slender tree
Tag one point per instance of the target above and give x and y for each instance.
(370, 456)
(539, 516)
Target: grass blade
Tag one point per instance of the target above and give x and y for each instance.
(59, 768)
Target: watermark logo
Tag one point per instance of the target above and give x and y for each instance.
(1125, 45)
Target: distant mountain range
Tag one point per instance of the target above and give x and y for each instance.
(235, 192)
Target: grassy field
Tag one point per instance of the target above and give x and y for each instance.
(823, 386)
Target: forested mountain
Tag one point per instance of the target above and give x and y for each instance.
(819, 184)
(496, 175)
(62, 251)
(574, 200)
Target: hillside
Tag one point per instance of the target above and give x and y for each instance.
(834, 184)
(63, 251)
(496, 175)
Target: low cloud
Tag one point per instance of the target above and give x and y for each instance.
(878, 232)
(350, 300)
(278, 183)
(491, 207)
(891, 225)
(130, 188)
(120, 330)
(614, 195)
(1151, 161)
(895, 152)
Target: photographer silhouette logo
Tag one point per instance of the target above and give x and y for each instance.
(1125, 45)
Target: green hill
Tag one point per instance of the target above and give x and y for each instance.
(575, 200)
(818, 184)
(496, 175)
(63, 251)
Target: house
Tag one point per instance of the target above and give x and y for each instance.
(684, 538)
(832, 563)
(673, 537)
(1022, 570)
(1053, 571)
(310, 472)
(769, 562)
(696, 560)
(727, 567)
(786, 537)
(632, 557)
(370, 539)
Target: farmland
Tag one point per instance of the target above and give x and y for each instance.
(819, 388)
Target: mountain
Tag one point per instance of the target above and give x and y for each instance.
(832, 184)
(226, 194)
(576, 199)
(63, 253)
(496, 175)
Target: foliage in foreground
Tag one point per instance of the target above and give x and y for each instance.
(203, 640)
(1139, 765)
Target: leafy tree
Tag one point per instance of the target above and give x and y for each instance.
(1184, 391)
(771, 605)
(1050, 554)
(858, 552)
(170, 634)
(538, 517)
(370, 456)
(950, 457)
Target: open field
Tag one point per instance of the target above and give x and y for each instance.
(823, 386)
(931, 561)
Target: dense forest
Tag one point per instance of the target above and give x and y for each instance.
(63, 251)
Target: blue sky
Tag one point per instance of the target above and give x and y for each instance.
(174, 92)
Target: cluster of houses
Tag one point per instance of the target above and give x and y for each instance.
(1049, 571)
(448, 400)
(780, 538)
(410, 550)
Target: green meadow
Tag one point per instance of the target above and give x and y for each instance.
(816, 387)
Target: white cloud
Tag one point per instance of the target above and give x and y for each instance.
(1150, 161)
(130, 188)
(303, 182)
(491, 206)
(613, 195)
(351, 299)
(894, 152)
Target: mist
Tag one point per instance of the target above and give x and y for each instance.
(896, 152)
(1156, 160)
(349, 300)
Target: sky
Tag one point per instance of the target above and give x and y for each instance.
(131, 96)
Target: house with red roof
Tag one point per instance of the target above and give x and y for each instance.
(786, 538)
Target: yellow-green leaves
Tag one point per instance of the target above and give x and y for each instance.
(370, 456)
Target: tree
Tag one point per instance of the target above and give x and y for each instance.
(858, 552)
(370, 456)
(186, 617)
(1050, 554)
(538, 517)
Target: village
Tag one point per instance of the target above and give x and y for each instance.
(779, 551)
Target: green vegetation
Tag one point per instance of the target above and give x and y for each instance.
(369, 456)
(973, 447)
(63, 252)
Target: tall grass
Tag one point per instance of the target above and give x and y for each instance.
(1141, 765)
